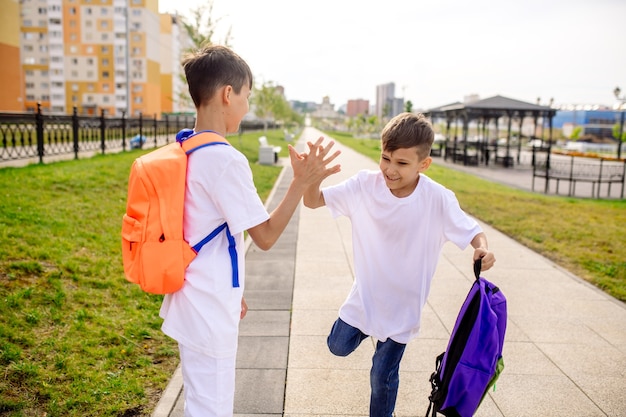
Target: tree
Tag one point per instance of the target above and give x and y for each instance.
(408, 106)
(575, 135)
(200, 29)
(269, 104)
(616, 131)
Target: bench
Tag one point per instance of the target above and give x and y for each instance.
(268, 154)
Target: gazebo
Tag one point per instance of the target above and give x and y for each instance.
(485, 114)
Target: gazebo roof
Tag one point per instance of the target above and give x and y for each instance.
(495, 106)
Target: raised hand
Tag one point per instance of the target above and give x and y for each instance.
(312, 167)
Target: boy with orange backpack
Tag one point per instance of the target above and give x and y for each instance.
(203, 316)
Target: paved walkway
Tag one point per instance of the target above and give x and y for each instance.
(565, 348)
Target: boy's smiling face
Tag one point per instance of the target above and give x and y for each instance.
(401, 170)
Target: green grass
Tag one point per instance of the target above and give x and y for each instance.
(76, 339)
(584, 236)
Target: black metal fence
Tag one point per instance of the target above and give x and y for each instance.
(36, 136)
(601, 173)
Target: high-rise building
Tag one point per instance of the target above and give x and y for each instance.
(387, 105)
(116, 56)
(174, 42)
(11, 85)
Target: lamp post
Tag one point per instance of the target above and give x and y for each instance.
(621, 100)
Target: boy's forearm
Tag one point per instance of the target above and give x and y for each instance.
(480, 241)
(313, 197)
(267, 233)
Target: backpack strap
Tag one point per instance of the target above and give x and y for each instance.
(478, 264)
(231, 249)
(189, 142)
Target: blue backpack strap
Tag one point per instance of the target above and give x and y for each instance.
(181, 137)
(233, 257)
(232, 250)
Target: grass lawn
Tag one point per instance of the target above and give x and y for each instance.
(76, 339)
(584, 236)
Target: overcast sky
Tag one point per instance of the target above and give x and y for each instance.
(436, 52)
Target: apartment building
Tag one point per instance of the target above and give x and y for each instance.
(12, 98)
(112, 56)
(387, 104)
(357, 107)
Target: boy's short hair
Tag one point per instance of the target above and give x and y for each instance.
(408, 130)
(212, 67)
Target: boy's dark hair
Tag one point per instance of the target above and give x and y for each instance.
(213, 67)
(408, 130)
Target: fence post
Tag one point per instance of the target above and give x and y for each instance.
(155, 131)
(75, 131)
(600, 182)
(167, 128)
(140, 130)
(623, 178)
(39, 130)
(102, 131)
(123, 130)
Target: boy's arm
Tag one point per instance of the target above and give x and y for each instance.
(308, 169)
(314, 197)
(481, 251)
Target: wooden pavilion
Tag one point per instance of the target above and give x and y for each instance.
(484, 115)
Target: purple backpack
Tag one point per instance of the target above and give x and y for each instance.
(473, 360)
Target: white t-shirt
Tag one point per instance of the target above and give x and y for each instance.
(397, 243)
(204, 314)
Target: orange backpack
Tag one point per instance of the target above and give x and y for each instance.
(154, 252)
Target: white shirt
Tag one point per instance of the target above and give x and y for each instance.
(397, 243)
(204, 314)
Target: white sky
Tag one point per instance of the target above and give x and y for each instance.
(435, 51)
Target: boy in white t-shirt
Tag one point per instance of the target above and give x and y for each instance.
(204, 315)
(400, 221)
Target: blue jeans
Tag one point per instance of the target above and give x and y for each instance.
(384, 375)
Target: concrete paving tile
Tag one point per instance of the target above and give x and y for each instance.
(313, 322)
(579, 360)
(608, 392)
(265, 323)
(542, 395)
(257, 415)
(329, 272)
(311, 352)
(262, 352)
(259, 391)
(319, 299)
(523, 358)
(335, 392)
(278, 270)
(413, 393)
(431, 326)
(420, 355)
(269, 300)
(541, 328)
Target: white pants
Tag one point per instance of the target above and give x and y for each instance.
(209, 384)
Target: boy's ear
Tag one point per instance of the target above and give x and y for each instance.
(426, 163)
(226, 94)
